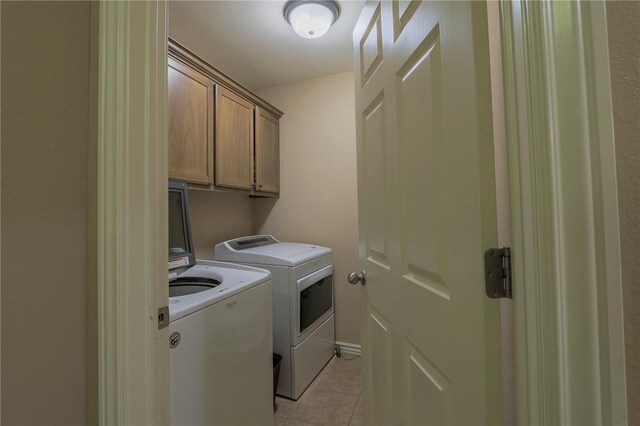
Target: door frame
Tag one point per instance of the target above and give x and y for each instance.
(131, 180)
(129, 252)
(564, 215)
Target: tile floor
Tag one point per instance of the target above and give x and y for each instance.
(334, 398)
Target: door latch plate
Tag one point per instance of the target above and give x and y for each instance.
(163, 317)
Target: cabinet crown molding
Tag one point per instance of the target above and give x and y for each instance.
(186, 56)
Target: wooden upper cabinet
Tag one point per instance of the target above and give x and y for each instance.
(234, 140)
(222, 136)
(267, 147)
(191, 103)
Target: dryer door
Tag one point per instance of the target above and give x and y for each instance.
(314, 301)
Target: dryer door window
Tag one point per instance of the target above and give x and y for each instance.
(315, 297)
(315, 301)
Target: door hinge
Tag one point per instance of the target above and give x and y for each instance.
(497, 272)
(163, 317)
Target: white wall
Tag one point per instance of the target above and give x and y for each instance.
(318, 198)
(624, 51)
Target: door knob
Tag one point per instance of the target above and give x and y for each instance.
(355, 278)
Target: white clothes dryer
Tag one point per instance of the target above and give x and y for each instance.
(303, 310)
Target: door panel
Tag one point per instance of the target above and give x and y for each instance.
(422, 180)
(377, 239)
(403, 10)
(425, 383)
(380, 343)
(425, 212)
(370, 50)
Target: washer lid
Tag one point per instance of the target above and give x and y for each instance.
(266, 250)
(233, 279)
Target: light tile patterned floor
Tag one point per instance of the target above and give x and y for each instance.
(334, 398)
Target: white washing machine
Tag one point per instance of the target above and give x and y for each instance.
(303, 311)
(221, 365)
(221, 336)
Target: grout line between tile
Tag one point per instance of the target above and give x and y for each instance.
(295, 415)
(354, 407)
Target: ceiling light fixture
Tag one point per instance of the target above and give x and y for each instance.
(311, 18)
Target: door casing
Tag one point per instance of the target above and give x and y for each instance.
(133, 358)
(131, 204)
(564, 215)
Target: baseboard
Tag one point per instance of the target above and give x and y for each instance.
(349, 348)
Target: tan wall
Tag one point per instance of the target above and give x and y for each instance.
(45, 130)
(318, 199)
(217, 217)
(624, 50)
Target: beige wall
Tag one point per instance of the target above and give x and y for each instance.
(45, 138)
(217, 217)
(318, 199)
(624, 50)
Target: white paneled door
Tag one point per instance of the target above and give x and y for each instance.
(427, 212)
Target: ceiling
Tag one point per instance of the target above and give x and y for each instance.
(252, 42)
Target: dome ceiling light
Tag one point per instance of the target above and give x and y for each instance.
(311, 18)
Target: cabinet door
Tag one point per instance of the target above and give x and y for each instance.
(234, 140)
(267, 152)
(191, 97)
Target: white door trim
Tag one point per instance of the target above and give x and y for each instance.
(133, 367)
(566, 256)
